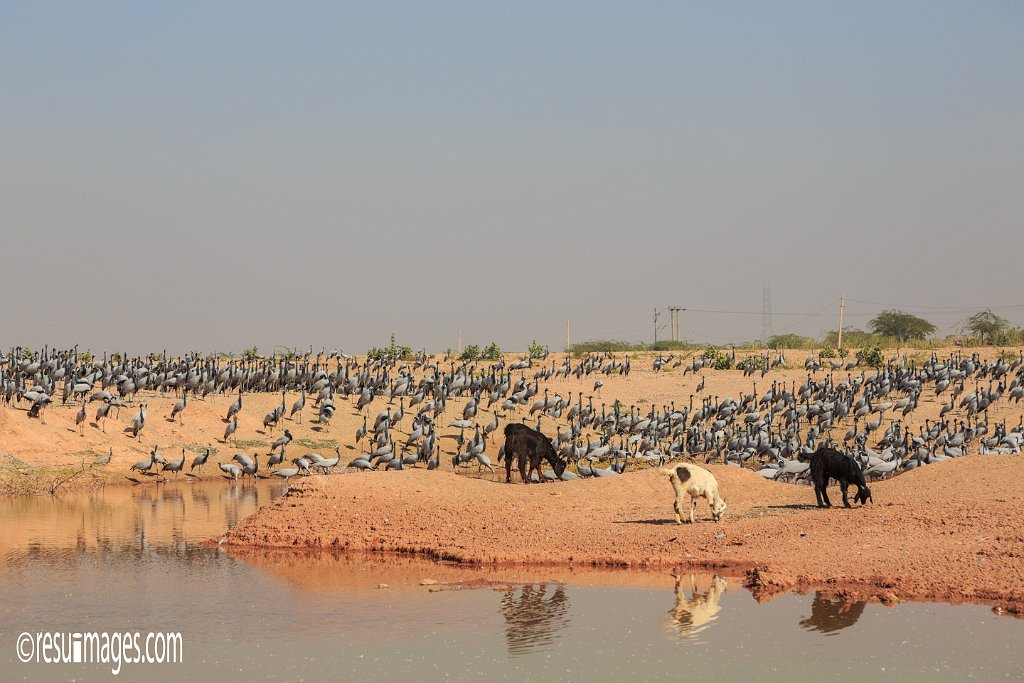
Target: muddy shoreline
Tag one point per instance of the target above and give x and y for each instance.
(925, 538)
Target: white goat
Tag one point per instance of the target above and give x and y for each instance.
(695, 482)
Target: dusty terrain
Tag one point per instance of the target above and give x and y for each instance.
(951, 531)
(40, 457)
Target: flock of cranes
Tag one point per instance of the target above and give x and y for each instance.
(869, 412)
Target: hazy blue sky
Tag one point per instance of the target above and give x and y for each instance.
(216, 175)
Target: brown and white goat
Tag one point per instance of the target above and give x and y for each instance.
(695, 482)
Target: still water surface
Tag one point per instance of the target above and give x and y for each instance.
(132, 558)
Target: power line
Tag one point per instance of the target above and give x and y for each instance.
(938, 308)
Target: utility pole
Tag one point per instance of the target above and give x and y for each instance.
(674, 310)
(656, 314)
(842, 305)
(767, 328)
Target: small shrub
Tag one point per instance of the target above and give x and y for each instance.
(536, 350)
(753, 363)
(871, 356)
(790, 341)
(666, 346)
(470, 353)
(491, 352)
(392, 352)
(597, 346)
(716, 359)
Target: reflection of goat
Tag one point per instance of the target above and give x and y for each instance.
(528, 445)
(533, 617)
(695, 482)
(693, 614)
(828, 615)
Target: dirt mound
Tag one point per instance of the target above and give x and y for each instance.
(951, 531)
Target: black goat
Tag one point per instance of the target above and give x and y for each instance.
(524, 444)
(828, 463)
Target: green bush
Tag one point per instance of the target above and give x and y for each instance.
(871, 356)
(491, 352)
(791, 341)
(470, 353)
(286, 352)
(753, 363)
(719, 360)
(598, 346)
(859, 339)
(618, 346)
(536, 350)
(251, 354)
(390, 353)
(665, 346)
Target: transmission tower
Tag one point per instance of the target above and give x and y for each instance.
(767, 329)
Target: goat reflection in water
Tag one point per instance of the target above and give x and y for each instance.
(533, 617)
(829, 616)
(694, 613)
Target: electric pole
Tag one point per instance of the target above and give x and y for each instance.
(674, 310)
(842, 305)
(656, 314)
(767, 328)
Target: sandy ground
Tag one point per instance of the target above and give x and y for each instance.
(36, 456)
(928, 535)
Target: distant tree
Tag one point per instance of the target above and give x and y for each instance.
(470, 353)
(901, 325)
(987, 325)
